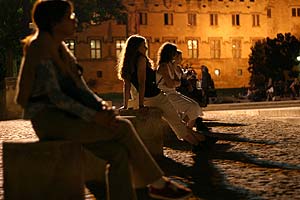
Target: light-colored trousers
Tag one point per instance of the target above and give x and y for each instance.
(169, 113)
(184, 105)
(130, 162)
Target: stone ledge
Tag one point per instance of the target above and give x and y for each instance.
(149, 125)
(266, 112)
(48, 170)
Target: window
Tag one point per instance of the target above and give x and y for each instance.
(269, 12)
(119, 46)
(168, 18)
(236, 48)
(251, 0)
(192, 48)
(143, 18)
(99, 74)
(215, 48)
(240, 72)
(235, 20)
(255, 20)
(122, 20)
(213, 19)
(95, 46)
(295, 12)
(192, 19)
(71, 45)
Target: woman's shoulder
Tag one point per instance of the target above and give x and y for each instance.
(162, 67)
(141, 59)
(38, 50)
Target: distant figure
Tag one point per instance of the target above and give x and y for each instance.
(270, 90)
(207, 84)
(295, 86)
(60, 106)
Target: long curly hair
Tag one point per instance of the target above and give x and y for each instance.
(166, 53)
(128, 56)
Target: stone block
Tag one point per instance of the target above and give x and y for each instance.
(150, 127)
(48, 170)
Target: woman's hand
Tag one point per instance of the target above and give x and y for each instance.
(106, 118)
(123, 108)
(190, 138)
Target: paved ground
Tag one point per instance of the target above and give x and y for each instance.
(255, 158)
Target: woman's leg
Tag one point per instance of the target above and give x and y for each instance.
(169, 113)
(183, 104)
(121, 146)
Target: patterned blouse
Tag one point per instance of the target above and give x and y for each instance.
(46, 84)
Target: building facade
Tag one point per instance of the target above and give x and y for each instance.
(215, 33)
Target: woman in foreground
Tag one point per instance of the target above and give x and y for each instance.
(60, 106)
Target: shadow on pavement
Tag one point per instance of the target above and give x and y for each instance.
(211, 123)
(220, 153)
(205, 179)
(236, 138)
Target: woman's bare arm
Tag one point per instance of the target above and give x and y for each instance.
(169, 82)
(127, 86)
(141, 70)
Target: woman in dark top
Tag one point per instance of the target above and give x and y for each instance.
(135, 68)
(55, 98)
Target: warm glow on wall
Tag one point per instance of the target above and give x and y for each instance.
(217, 72)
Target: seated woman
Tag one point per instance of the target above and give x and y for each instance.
(60, 106)
(135, 68)
(169, 77)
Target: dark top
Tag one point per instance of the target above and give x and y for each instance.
(52, 89)
(151, 88)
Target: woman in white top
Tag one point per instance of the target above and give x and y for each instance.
(168, 77)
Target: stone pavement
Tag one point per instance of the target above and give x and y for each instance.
(256, 157)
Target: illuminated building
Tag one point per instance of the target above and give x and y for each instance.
(215, 33)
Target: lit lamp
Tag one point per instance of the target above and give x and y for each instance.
(217, 72)
(298, 58)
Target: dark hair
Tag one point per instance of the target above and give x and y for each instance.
(47, 13)
(166, 53)
(129, 56)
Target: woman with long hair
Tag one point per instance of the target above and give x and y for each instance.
(56, 100)
(169, 72)
(137, 72)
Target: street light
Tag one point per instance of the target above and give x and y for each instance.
(217, 72)
(298, 58)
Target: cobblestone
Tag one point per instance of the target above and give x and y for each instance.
(255, 158)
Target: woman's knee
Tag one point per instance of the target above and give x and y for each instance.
(126, 126)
